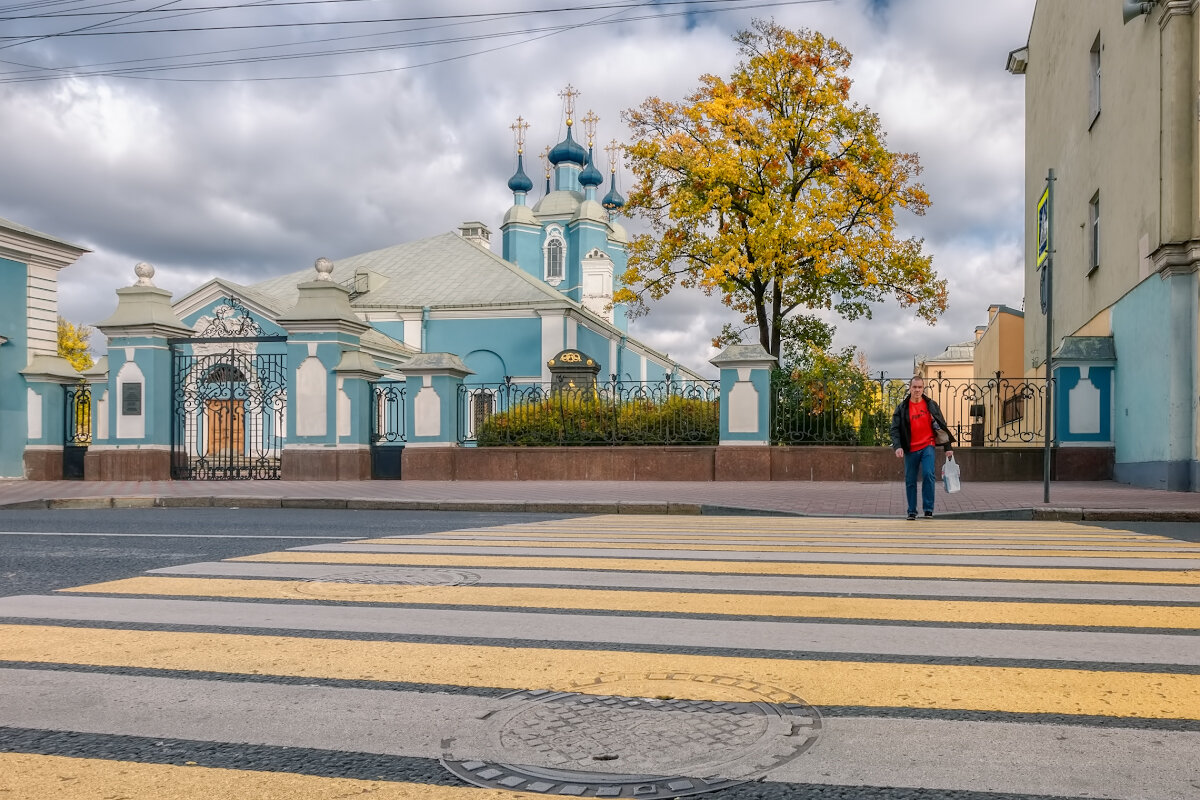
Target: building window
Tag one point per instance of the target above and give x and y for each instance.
(1093, 233)
(553, 254)
(1094, 61)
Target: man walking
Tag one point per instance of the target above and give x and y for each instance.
(917, 426)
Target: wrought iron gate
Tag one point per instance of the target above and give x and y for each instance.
(229, 415)
(228, 401)
(77, 429)
(387, 430)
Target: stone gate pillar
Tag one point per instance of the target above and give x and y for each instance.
(745, 394)
(136, 404)
(328, 435)
(46, 378)
(432, 411)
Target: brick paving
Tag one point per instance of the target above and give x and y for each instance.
(1100, 499)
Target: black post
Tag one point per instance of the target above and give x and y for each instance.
(1049, 277)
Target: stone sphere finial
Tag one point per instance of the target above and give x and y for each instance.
(324, 268)
(145, 274)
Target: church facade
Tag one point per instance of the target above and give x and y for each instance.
(295, 376)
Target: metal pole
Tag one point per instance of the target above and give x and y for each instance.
(1049, 343)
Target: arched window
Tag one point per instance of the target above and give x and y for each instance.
(554, 260)
(224, 373)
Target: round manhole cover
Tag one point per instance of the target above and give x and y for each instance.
(381, 584)
(635, 736)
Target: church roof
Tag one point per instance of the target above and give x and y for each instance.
(443, 271)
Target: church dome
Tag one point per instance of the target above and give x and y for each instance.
(520, 182)
(590, 175)
(591, 211)
(519, 215)
(560, 203)
(568, 151)
(613, 200)
(619, 234)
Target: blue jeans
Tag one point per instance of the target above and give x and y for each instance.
(922, 461)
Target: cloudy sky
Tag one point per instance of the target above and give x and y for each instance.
(283, 131)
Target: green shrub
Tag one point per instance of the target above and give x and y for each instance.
(592, 419)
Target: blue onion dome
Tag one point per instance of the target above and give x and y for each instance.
(520, 182)
(613, 200)
(568, 151)
(590, 175)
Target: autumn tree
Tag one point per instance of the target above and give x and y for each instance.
(73, 344)
(776, 190)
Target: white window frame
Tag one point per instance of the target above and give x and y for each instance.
(1093, 229)
(1094, 82)
(554, 236)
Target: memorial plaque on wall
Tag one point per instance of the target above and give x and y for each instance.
(131, 399)
(573, 370)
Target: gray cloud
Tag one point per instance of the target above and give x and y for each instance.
(252, 179)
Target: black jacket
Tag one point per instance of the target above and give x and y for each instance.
(902, 435)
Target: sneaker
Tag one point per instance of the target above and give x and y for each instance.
(928, 514)
(912, 515)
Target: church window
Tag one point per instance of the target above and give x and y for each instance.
(554, 257)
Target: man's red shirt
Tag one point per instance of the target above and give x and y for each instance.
(920, 425)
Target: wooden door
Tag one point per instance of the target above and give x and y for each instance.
(226, 427)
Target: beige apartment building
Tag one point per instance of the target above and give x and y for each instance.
(1111, 108)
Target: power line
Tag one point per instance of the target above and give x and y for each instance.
(76, 32)
(140, 73)
(426, 18)
(249, 49)
(239, 6)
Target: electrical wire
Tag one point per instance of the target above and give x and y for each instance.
(140, 72)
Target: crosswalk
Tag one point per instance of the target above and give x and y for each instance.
(623, 656)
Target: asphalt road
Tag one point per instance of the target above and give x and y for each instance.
(38, 555)
(199, 654)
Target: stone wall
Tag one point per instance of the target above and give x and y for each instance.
(867, 464)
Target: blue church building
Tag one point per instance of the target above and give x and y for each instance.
(294, 376)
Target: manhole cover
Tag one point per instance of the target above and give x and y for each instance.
(635, 736)
(381, 584)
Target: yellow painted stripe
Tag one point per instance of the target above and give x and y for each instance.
(591, 544)
(37, 777)
(800, 524)
(855, 538)
(767, 605)
(1012, 689)
(946, 572)
(933, 529)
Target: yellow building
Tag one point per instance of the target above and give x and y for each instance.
(947, 375)
(1000, 345)
(980, 385)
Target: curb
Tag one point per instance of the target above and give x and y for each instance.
(325, 503)
(542, 507)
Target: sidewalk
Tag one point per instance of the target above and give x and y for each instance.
(1100, 500)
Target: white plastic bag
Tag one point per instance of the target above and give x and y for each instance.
(950, 475)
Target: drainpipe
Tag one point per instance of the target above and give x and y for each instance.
(425, 329)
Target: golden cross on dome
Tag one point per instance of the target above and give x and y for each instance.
(589, 126)
(613, 149)
(518, 128)
(568, 95)
(545, 156)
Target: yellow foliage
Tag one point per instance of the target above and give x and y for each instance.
(74, 345)
(776, 190)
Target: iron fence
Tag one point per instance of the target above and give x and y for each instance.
(858, 411)
(387, 414)
(601, 413)
(77, 430)
(228, 414)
